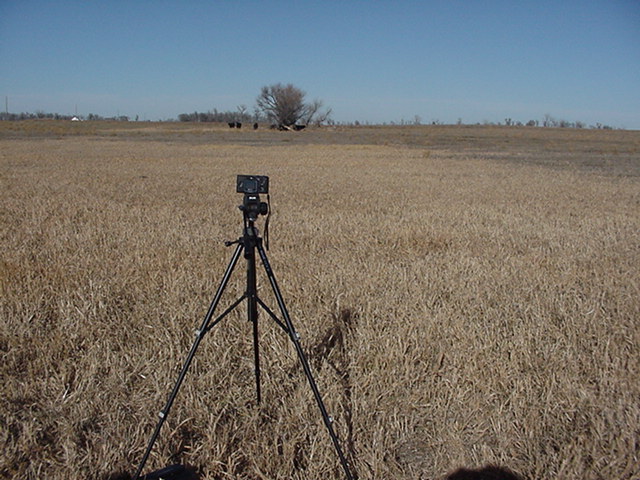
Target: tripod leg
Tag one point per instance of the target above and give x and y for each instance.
(252, 307)
(303, 360)
(256, 360)
(199, 336)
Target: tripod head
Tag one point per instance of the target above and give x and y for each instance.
(252, 207)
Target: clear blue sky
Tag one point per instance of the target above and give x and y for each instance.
(375, 61)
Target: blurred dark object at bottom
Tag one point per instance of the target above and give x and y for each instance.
(172, 472)
(490, 472)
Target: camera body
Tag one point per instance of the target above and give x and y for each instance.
(252, 184)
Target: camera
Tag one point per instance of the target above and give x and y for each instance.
(252, 184)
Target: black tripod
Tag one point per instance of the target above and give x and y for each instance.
(248, 243)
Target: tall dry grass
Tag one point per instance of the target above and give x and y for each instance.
(459, 306)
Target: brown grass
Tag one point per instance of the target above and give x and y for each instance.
(483, 283)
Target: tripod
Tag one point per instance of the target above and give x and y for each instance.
(247, 244)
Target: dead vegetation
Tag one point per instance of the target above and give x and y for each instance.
(467, 297)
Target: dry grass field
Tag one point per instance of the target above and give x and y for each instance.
(467, 296)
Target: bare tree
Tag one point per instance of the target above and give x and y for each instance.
(549, 121)
(285, 105)
(315, 113)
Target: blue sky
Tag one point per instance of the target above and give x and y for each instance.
(371, 61)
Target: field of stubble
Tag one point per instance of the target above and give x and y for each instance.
(467, 296)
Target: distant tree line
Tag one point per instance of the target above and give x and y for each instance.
(33, 116)
(239, 115)
(57, 116)
(547, 121)
(119, 118)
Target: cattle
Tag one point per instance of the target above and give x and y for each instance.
(255, 126)
(232, 124)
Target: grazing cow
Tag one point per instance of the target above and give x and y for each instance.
(255, 126)
(238, 125)
(232, 124)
